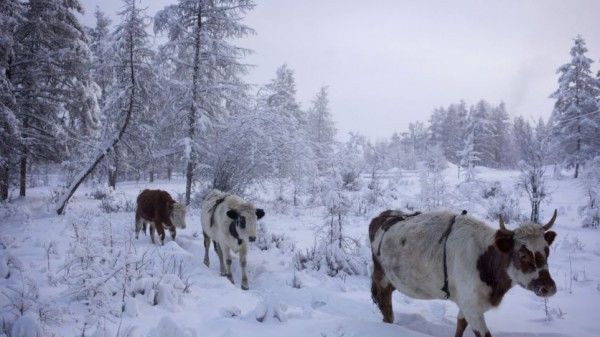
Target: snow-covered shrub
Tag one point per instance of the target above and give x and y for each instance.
(17, 212)
(590, 212)
(117, 202)
(434, 189)
(350, 163)
(266, 240)
(27, 325)
(100, 192)
(500, 202)
(100, 272)
(334, 252)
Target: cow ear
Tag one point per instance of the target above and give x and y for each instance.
(504, 242)
(260, 213)
(233, 214)
(550, 236)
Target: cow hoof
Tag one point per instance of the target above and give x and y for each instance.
(245, 287)
(206, 263)
(230, 278)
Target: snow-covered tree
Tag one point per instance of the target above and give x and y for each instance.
(57, 100)
(139, 141)
(500, 146)
(350, 161)
(417, 138)
(295, 158)
(469, 158)
(591, 184)
(479, 124)
(433, 184)
(127, 92)
(575, 115)
(11, 16)
(207, 65)
(321, 129)
(533, 148)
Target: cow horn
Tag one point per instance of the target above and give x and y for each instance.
(551, 222)
(502, 226)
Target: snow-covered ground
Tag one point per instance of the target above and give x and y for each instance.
(185, 298)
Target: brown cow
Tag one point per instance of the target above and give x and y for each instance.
(158, 208)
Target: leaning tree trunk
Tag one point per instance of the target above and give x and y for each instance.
(189, 175)
(84, 174)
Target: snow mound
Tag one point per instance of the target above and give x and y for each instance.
(270, 309)
(168, 328)
(27, 326)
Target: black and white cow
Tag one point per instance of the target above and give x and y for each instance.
(441, 255)
(230, 222)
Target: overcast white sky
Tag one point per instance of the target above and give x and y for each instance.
(391, 62)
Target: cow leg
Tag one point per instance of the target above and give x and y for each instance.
(206, 249)
(152, 230)
(138, 225)
(227, 257)
(173, 232)
(161, 231)
(243, 255)
(221, 261)
(477, 323)
(461, 324)
(381, 292)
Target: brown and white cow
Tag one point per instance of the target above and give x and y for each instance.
(158, 208)
(482, 263)
(230, 222)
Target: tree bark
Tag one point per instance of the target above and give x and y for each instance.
(113, 172)
(4, 181)
(73, 187)
(23, 165)
(23, 174)
(189, 176)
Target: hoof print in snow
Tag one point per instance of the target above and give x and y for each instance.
(230, 312)
(270, 309)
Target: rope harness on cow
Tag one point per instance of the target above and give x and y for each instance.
(445, 239)
(394, 219)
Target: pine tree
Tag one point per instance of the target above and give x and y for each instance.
(295, 157)
(57, 100)
(469, 158)
(479, 124)
(206, 64)
(321, 129)
(11, 16)
(575, 115)
(500, 146)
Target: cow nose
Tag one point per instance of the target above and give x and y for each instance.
(547, 291)
(252, 238)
